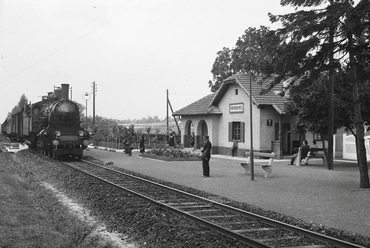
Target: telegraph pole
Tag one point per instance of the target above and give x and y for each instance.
(167, 116)
(94, 89)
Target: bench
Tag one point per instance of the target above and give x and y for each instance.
(320, 153)
(266, 165)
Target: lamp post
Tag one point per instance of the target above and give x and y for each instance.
(86, 96)
(118, 138)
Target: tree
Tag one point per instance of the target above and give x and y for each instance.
(308, 102)
(23, 101)
(223, 67)
(332, 41)
(254, 51)
(326, 41)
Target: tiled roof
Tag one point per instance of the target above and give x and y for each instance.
(200, 107)
(209, 104)
(269, 98)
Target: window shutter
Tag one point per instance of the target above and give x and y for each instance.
(230, 131)
(242, 132)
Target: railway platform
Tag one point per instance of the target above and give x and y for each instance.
(311, 193)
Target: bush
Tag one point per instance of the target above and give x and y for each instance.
(168, 153)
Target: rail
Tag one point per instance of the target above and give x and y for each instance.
(244, 226)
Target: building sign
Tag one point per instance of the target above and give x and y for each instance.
(236, 108)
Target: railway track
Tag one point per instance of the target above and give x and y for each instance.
(246, 227)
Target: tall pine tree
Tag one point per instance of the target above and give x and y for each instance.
(325, 39)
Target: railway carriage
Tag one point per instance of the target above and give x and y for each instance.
(51, 125)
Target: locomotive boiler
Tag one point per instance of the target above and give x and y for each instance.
(51, 125)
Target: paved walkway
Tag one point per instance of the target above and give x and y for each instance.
(312, 193)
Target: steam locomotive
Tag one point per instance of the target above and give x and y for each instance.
(52, 126)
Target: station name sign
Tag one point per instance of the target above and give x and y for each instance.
(236, 108)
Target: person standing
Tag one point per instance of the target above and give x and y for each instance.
(206, 156)
(142, 146)
(234, 147)
(192, 142)
(171, 140)
(128, 148)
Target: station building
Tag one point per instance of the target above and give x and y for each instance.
(225, 115)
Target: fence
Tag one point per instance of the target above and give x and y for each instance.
(135, 145)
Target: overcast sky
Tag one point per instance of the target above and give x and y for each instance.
(133, 50)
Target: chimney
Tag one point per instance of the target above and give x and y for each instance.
(65, 91)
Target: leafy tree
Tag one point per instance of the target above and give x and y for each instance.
(326, 39)
(223, 67)
(309, 103)
(254, 52)
(313, 49)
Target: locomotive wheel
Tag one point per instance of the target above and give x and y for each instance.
(79, 157)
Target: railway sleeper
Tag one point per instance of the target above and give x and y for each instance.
(308, 246)
(266, 240)
(220, 216)
(175, 204)
(192, 206)
(202, 211)
(235, 223)
(263, 229)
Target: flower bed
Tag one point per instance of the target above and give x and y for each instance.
(171, 155)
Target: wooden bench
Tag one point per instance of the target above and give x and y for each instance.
(320, 153)
(266, 165)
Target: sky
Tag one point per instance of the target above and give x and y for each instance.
(133, 50)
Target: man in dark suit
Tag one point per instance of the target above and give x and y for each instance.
(305, 148)
(206, 156)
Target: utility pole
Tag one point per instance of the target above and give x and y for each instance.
(331, 95)
(94, 90)
(167, 117)
(251, 124)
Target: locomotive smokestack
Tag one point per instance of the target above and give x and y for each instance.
(65, 90)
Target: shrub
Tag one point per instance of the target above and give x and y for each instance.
(169, 153)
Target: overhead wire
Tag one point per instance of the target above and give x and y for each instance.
(17, 21)
(64, 47)
(7, 56)
(114, 78)
(148, 68)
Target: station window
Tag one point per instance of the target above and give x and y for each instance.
(236, 130)
(236, 91)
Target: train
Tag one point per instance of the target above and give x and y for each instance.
(52, 126)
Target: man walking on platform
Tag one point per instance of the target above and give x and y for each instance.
(206, 156)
